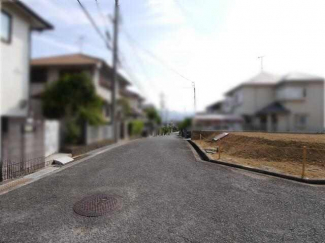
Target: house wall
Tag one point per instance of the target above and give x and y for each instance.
(15, 67)
(283, 123)
(103, 92)
(98, 133)
(312, 106)
(253, 99)
(52, 137)
(134, 103)
(22, 151)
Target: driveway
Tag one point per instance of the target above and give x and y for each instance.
(167, 196)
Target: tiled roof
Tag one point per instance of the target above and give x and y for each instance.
(263, 78)
(296, 76)
(73, 59)
(38, 23)
(130, 94)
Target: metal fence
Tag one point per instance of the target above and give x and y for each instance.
(12, 169)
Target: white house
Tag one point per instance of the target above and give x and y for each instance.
(18, 21)
(267, 102)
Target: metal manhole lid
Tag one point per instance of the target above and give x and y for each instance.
(97, 205)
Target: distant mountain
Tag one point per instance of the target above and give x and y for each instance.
(176, 115)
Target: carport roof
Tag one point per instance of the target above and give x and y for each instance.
(273, 108)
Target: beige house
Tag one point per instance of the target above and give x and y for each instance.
(50, 69)
(289, 103)
(135, 102)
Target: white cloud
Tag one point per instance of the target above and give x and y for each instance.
(52, 42)
(66, 12)
(162, 12)
(289, 33)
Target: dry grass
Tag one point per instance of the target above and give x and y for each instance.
(280, 153)
(304, 138)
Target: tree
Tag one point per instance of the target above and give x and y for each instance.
(152, 115)
(73, 98)
(185, 124)
(137, 127)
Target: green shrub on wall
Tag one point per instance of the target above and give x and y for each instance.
(73, 98)
(137, 127)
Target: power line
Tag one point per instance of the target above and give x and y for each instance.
(152, 55)
(129, 71)
(141, 64)
(58, 38)
(104, 20)
(92, 21)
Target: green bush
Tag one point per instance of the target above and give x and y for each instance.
(73, 132)
(73, 98)
(185, 124)
(137, 127)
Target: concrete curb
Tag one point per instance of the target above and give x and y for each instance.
(205, 157)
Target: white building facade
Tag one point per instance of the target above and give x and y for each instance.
(289, 103)
(18, 21)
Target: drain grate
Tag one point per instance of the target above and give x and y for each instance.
(97, 205)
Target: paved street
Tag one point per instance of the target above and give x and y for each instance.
(167, 196)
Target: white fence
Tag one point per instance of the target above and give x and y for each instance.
(99, 133)
(52, 137)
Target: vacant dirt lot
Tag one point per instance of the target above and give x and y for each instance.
(281, 153)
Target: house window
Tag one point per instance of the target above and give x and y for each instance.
(39, 75)
(304, 92)
(6, 26)
(72, 71)
(238, 99)
(300, 121)
(4, 124)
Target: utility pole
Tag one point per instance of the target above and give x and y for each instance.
(261, 57)
(194, 97)
(115, 87)
(162, 106)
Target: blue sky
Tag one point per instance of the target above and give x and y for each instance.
(212, 42)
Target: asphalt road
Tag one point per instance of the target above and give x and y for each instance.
(168, 196)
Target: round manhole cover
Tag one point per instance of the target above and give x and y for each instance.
(97, 205)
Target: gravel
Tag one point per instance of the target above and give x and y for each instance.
(167, 196)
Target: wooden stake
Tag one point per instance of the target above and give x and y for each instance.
(219, 152)
(304, 155)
